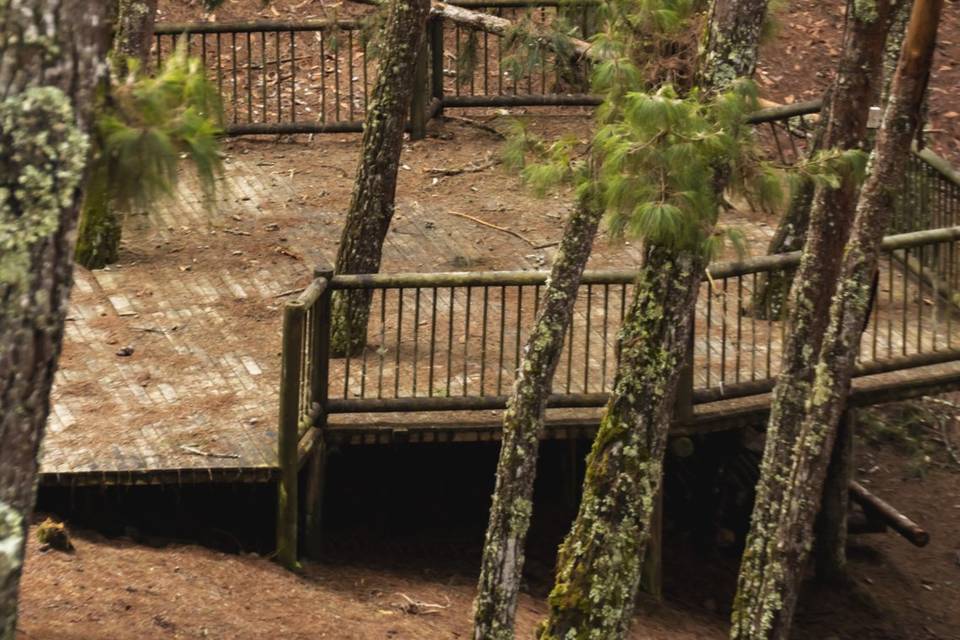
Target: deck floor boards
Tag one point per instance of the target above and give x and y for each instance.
(198, 295)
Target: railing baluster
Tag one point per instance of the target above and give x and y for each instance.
(416, 336)
(433, 341)
(450, 341)
(382, 351)
(483, 340)
(396, 364)
(466, 339)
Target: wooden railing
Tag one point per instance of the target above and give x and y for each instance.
(315, 76)
(453, 341)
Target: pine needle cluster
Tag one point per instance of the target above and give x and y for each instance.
(152, 122)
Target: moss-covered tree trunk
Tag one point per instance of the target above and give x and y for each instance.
(374, 191)
(791, 483)
(50, 55)
(600, 561)
(843, 126)
(829, 228)
(99, 233)
(599, 564)
(503, 551)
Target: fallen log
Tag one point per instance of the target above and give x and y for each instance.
(874, 506)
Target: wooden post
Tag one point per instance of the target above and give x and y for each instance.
(319, 390)
(418, 102)
(830, 549)
(435, 32)
(287, 436)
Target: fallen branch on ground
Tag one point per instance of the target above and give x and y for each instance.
(473, 167)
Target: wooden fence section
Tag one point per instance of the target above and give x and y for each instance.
(315, 76)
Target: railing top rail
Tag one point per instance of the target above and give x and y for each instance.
(254, 26)
(785, 111)
(521, 4)
(614, 276)
(311, 294)
(940, 165)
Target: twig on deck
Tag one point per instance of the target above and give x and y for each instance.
(206, 454)
(494, 226)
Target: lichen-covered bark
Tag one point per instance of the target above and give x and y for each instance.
(599, 563)
(50, 56)
(133, 33)
(99, 233)
(730, 42)
(374, 191)
(510, 512)
(791, 483)
(843, 126)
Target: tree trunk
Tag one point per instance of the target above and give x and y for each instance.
(374, 192)
(503, 551)
(599, 563)
(98, 237)
(829, 228)
(791, 485)
(843, 126)
(50, 56)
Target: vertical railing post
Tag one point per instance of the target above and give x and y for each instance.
(435, 32)
(418, 102)
(287, 434)
(319, 392)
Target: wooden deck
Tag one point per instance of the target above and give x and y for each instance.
(197, 296)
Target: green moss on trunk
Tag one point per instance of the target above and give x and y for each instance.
(503, 552)
(600, 561)
(98, 236)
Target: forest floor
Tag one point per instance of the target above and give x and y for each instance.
(118, 589)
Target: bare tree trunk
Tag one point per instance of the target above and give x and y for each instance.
(374, 192)
(503, 551)
(50, 55)
(791, 486)
(600, 562)
(99, 233)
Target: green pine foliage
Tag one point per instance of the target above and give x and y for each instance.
(152, 122)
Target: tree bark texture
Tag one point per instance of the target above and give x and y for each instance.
(731, 39)
(503, 552)
(829, 228)
(99, 233)
(50, 57)
(599, 563)
(843, 126)
(791, 486)
(374, 192)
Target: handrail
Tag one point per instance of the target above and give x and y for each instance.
(784, 112)
(942, 167)
(255, 26)
(612, 276)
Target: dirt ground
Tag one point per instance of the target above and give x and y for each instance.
(114, 588)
